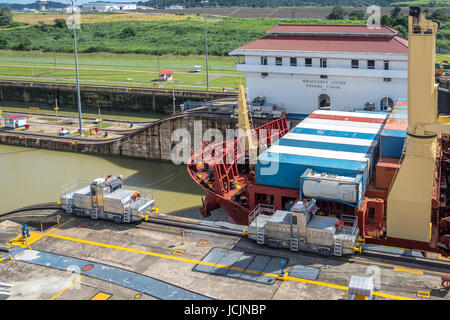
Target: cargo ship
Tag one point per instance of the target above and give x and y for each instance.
(388, 170)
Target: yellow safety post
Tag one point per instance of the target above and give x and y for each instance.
(244, 232)
(26, 242)
(182, 236)
(42, 229)
(58, 218)
(155, 209)
(56, 110)
(9, 251)
(358, 249)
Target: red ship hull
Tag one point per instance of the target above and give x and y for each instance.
(238, 194)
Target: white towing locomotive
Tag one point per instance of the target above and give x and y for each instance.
(302, 229)
(104, 198)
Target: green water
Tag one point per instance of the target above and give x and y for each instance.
(30, 176)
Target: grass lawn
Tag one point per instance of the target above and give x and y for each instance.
(90, 113)
(443, 57)
(49, 17)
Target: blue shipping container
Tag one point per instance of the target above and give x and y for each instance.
(287, 169)
(399, 116)
(391, 143)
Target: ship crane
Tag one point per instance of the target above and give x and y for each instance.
(409, 203)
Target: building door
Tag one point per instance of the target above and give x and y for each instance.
(324, 101)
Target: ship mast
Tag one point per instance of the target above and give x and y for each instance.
(409, 203)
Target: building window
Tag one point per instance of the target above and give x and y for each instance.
(264, 74)
(323, 76)
(264, 61)
(294, 62)
(386, 65)
(355, 64)
(371, 64)
(387, 79)
(323, 63)
(279, 61)
(386, 104)
(308, 62)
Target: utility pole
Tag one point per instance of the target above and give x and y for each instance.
(206, 47)
(76, 69)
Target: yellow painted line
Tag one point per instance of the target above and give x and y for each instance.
(170, 257)
(444, 258)
(101, 296)
(63, 290)
(319, 283)
(391, 296)
(408, 270)
(391, 265)
(59, 226)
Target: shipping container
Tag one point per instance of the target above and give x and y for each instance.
(403, 111)
(397, 126)
(331, 187)
(398, 116)
(284, 170)
(386, 169)
(391, 143)
(329, 142)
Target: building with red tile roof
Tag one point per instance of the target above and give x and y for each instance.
(340, 67)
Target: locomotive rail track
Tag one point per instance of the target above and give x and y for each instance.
(421, 265)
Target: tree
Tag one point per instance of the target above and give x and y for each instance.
(6, 17)
(338, 13)
(24, 44)
(357, 15)
(60, 23)
(127, 32)
(396, 12)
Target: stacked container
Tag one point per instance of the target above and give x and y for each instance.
(392, 140)
(393, 136)
(336, 143)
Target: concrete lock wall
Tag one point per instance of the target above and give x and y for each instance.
(106, 97)
(151, 142)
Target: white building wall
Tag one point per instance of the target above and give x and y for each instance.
(298, 88)
(299, 94)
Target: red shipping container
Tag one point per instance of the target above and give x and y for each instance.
(356, 118)
(385, 171)
(397, 124)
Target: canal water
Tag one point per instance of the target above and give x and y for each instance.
(30, 176)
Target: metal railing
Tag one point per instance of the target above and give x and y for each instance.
(71, 187)
(350, 224)
(266, 209)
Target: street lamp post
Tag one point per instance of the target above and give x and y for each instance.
(76, 69)
(206, 47)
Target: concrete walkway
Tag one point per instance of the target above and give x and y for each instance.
(128, 279)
